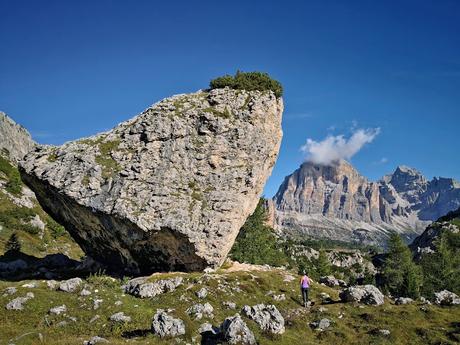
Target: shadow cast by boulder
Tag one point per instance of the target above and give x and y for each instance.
(16, 266)
(137, 333)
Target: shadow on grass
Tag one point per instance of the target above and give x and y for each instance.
(137, 333)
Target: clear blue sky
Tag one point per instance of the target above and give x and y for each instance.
(72, 68)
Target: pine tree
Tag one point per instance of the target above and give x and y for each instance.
(402, 277)
(323, 267)
(13, 246)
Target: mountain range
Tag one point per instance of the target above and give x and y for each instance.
(336, 202)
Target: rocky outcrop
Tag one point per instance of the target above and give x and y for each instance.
(446, 297)
(336, 202)
(168, 189)
(235, 331)
(164, 325)
(15, 140)
(142, 288)
(426, 242)
(267, 317)
(367, 294)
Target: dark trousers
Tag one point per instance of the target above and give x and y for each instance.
(304, 294)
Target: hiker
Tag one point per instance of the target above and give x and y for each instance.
(304, 286)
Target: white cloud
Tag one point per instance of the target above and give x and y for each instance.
(334, 148)
(383, 160)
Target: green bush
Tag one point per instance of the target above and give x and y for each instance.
(256, 243)
(56, 229)
(14, 183)
(248, 81)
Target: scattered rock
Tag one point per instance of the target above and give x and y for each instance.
(10, 291)
(94, 340)
(140, 288)
(403, 300)
(446, 297)
(70, 285)
(52, 284)
(235, 331)
(17, 303)
(94, 318)
(207, 327)
(267, 317)
(165, 325)
(367, 294)
(384, 332)
(229, 305)
(329, 281)
(288, 278)
(423, 300)
(202, 293)
(281, 297)
(200, 310)
(320, 325)
(118, 303)
(61, 324)
(97, 303)
(85, 292)
(325, 298)
(120, 317)
(58, 310)
(31, 285)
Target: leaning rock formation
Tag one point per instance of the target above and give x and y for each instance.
(15, 140)
(168, 189)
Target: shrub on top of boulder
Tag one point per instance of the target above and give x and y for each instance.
(248, 81)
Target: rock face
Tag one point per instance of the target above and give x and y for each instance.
(168, 189)
(336, 202)
(426, 242)
(15, 140)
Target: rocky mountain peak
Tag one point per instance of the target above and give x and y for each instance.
(168, 189)
(15, 140)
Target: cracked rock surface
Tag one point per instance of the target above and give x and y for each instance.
(168, 189)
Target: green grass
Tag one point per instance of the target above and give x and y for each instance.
(408, 324)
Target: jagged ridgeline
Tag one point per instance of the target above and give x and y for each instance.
(170, 188)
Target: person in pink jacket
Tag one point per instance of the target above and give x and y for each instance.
(304, 287)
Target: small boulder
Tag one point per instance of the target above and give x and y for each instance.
(31, 285)
(139, 287)
(278, 298)
(85, 292)
(94, 340)
(202, 293)
(229, 305)
(200, 310)
(403, 300)
(70, 285)
(17, 303)
(208, 328)
(52, 284)
(58, 310)
(367, 294)
(321, 325)
(267, 317)
(446, 297)
(235, 331)
(384, 332)
(329, 281)
(165, 325)
(120, 317)
(10, 291)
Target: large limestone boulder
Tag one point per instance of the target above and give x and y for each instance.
(168, 189)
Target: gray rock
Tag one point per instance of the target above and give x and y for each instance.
(85, 292)
(58, 310)
(320, 325)
(235, 331)
(10, 291)
(229, 305)
(140, 288)
(202, 293)
(267, 317)
(201, 310)
(94, 340)
(278, 298)
(94, 318)
(16, 140)
(446, 297)
(17, 303)
(367, 294)
(403, 300)
(31, 285)
(329, 281)
(97, 303)
(384, 332)
(70, 285)
(120, 317)
(207, 327)
(52, 284)
(165, 325)
(148, 195)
